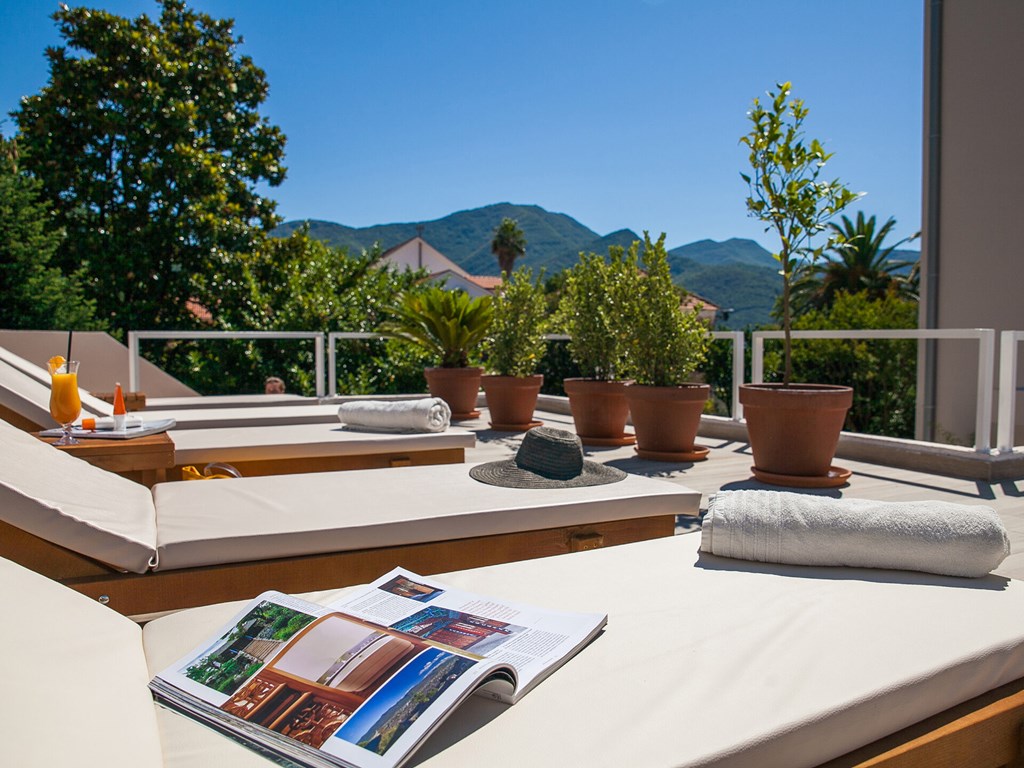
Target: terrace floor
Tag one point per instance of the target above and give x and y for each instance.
(728, 468)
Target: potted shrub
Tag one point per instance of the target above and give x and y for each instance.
(793, 428)
(666, 347)
(513, 349)
(450, 326)
(590, 312)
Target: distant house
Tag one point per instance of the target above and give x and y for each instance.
(417, 253)
(709, 310)
(474, 285)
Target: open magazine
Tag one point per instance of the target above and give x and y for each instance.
(362, 682)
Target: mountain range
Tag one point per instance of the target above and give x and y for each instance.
(735, 274)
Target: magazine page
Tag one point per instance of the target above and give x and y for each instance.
(293, 679)
(533, 641)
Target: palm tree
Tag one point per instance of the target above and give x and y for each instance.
(857, 262)
(508, 244)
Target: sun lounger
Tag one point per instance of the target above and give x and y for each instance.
(25, 402)
(190, 542)
(287, 449)
(704, 661)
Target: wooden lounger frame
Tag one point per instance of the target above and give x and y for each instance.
(984, 732)
(344, 462)
(138, 594)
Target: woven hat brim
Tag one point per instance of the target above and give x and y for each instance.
(510, 475)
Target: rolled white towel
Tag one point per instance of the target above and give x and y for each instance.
(803, 529)
(428, 414)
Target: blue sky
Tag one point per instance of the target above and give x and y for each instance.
(620, 113)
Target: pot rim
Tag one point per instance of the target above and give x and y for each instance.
(802, 387)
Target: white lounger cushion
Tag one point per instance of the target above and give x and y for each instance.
(704, 661)
(69, 502)
(254, 518)
(74, 680)
(287, 441)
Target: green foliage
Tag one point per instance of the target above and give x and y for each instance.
(597, 294)
(785, 191)
(883, 373)
(148, 143)
(447, 324)
(857, 261)
(665, 344)
(509, 244)
(299, 284)
(515, 342)
(36, 294)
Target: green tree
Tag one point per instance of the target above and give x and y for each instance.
(857, 261)
(515, 340)
(883, 373)
(597, 292)
(36, 295)
(786, 192)
(299, 283)
(509, 244)
(149, 144)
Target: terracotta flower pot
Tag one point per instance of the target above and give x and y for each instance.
(793, 432)
(666, 419)
(458, 387)
(512, 400)
(599, 410)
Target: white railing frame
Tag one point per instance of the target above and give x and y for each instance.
(738, 339)
(1008, 341)
(986, 362)
(134, 337)
(332, 355)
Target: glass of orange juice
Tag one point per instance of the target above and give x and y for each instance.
(65, 404)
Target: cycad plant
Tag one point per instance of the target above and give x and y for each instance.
(447, 324)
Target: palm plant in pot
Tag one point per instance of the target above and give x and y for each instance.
(450, 326)
(513, 349)
(590, 312)
(793, 428)
(666, 347)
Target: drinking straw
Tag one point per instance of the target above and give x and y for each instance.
(70, 332)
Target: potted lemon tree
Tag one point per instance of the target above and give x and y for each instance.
(450, 326)
(793, 428)
(666, 346)
(513, 349)
(597, 292)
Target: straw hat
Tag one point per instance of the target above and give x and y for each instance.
(547, 458)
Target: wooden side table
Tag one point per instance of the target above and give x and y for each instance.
(145, 459)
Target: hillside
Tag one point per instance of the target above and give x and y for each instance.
(733, 251)
(552, 239)
(735, 273)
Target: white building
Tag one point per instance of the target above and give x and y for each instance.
(417, 253)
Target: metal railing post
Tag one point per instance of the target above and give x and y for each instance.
(738, 343)
(1007, 415)
(133, 361)
(757, 357)
(986, 371)
(332, 364)
(319, 364)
